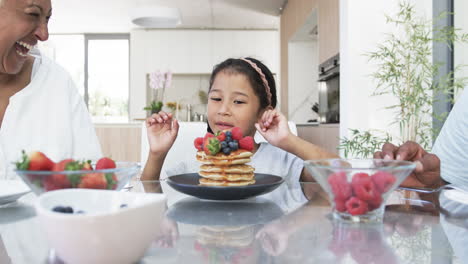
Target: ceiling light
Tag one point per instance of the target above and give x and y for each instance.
(155, 16)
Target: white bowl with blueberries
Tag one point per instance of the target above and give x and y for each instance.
(100, 226)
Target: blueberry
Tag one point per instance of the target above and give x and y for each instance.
(227, 151)
(228, 139)
(123, 205)
(80, 212)
(63, 209)
(223, 144)
(228, 134)
(234, 145)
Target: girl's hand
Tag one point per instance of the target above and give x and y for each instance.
(273, 238)
(273, 126)
(162, 131)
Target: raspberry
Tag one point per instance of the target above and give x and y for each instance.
(198, 143)
(236, 133)
(340, 187)
(340, 205)
(356, 206)
(375, 202)
(363, 187)
(383, 180)
(246, 143)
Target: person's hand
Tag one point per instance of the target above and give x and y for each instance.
(169, 234)
(427, 171)
(273, 238)
(162, 132)
(407, 223)
(273, 126)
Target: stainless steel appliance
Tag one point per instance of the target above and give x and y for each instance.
(329, 91)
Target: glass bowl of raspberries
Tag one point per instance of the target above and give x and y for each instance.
(42, 174)
(358, 188)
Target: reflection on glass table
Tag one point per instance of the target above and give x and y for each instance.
(454, 220)
(260, 231)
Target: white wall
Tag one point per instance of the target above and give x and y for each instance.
(362, 27)
(303, 75)
(192, 51)
(461, 50)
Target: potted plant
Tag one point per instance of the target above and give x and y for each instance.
(406, 71)
(154, 107)
(158, 82)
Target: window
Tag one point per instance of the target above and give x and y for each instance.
(99, 66)
(107, 79)
(68, 51)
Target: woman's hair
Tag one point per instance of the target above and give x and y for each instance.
(266, 92)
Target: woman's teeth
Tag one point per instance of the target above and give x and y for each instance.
(24, 44)
(25, 48)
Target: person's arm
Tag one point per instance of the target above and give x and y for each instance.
(274, 128)
(162, 131)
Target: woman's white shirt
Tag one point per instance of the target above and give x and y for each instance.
(48, 115)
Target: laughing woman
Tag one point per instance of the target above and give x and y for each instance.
(40, 108)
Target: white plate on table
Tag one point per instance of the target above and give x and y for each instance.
(12, 190)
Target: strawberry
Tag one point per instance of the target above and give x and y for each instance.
(105, 163)
(246, 143)
(363, 187)
(221, 136)
(356, 206)
(112, 181)
(60, 181)
(93, 181)
(211, 146)
(340, 187)
(35, 161)
(383, 180)
(208, 135)
(236, 133)
(198, 143)
(87, 165)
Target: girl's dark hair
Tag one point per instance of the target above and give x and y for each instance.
(242, 67)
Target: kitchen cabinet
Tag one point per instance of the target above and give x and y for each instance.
(192, 51)
(325, 136)
(121, 142)
(328, 29)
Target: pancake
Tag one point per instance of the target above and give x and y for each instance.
(241, 237)
(209, 182)
(241, 168)
(226, 170)
(237, 154)
(223, 162)
(233, 177)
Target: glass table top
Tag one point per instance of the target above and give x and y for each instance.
(417, 228)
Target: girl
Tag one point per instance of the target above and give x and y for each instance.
(242, 93)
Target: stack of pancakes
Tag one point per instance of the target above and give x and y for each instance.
(226, 170)
(226, 236)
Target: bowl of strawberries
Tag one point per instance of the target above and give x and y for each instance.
(359, 188)
(42, 174)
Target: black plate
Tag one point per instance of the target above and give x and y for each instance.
(226, 213)
(188, 184)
